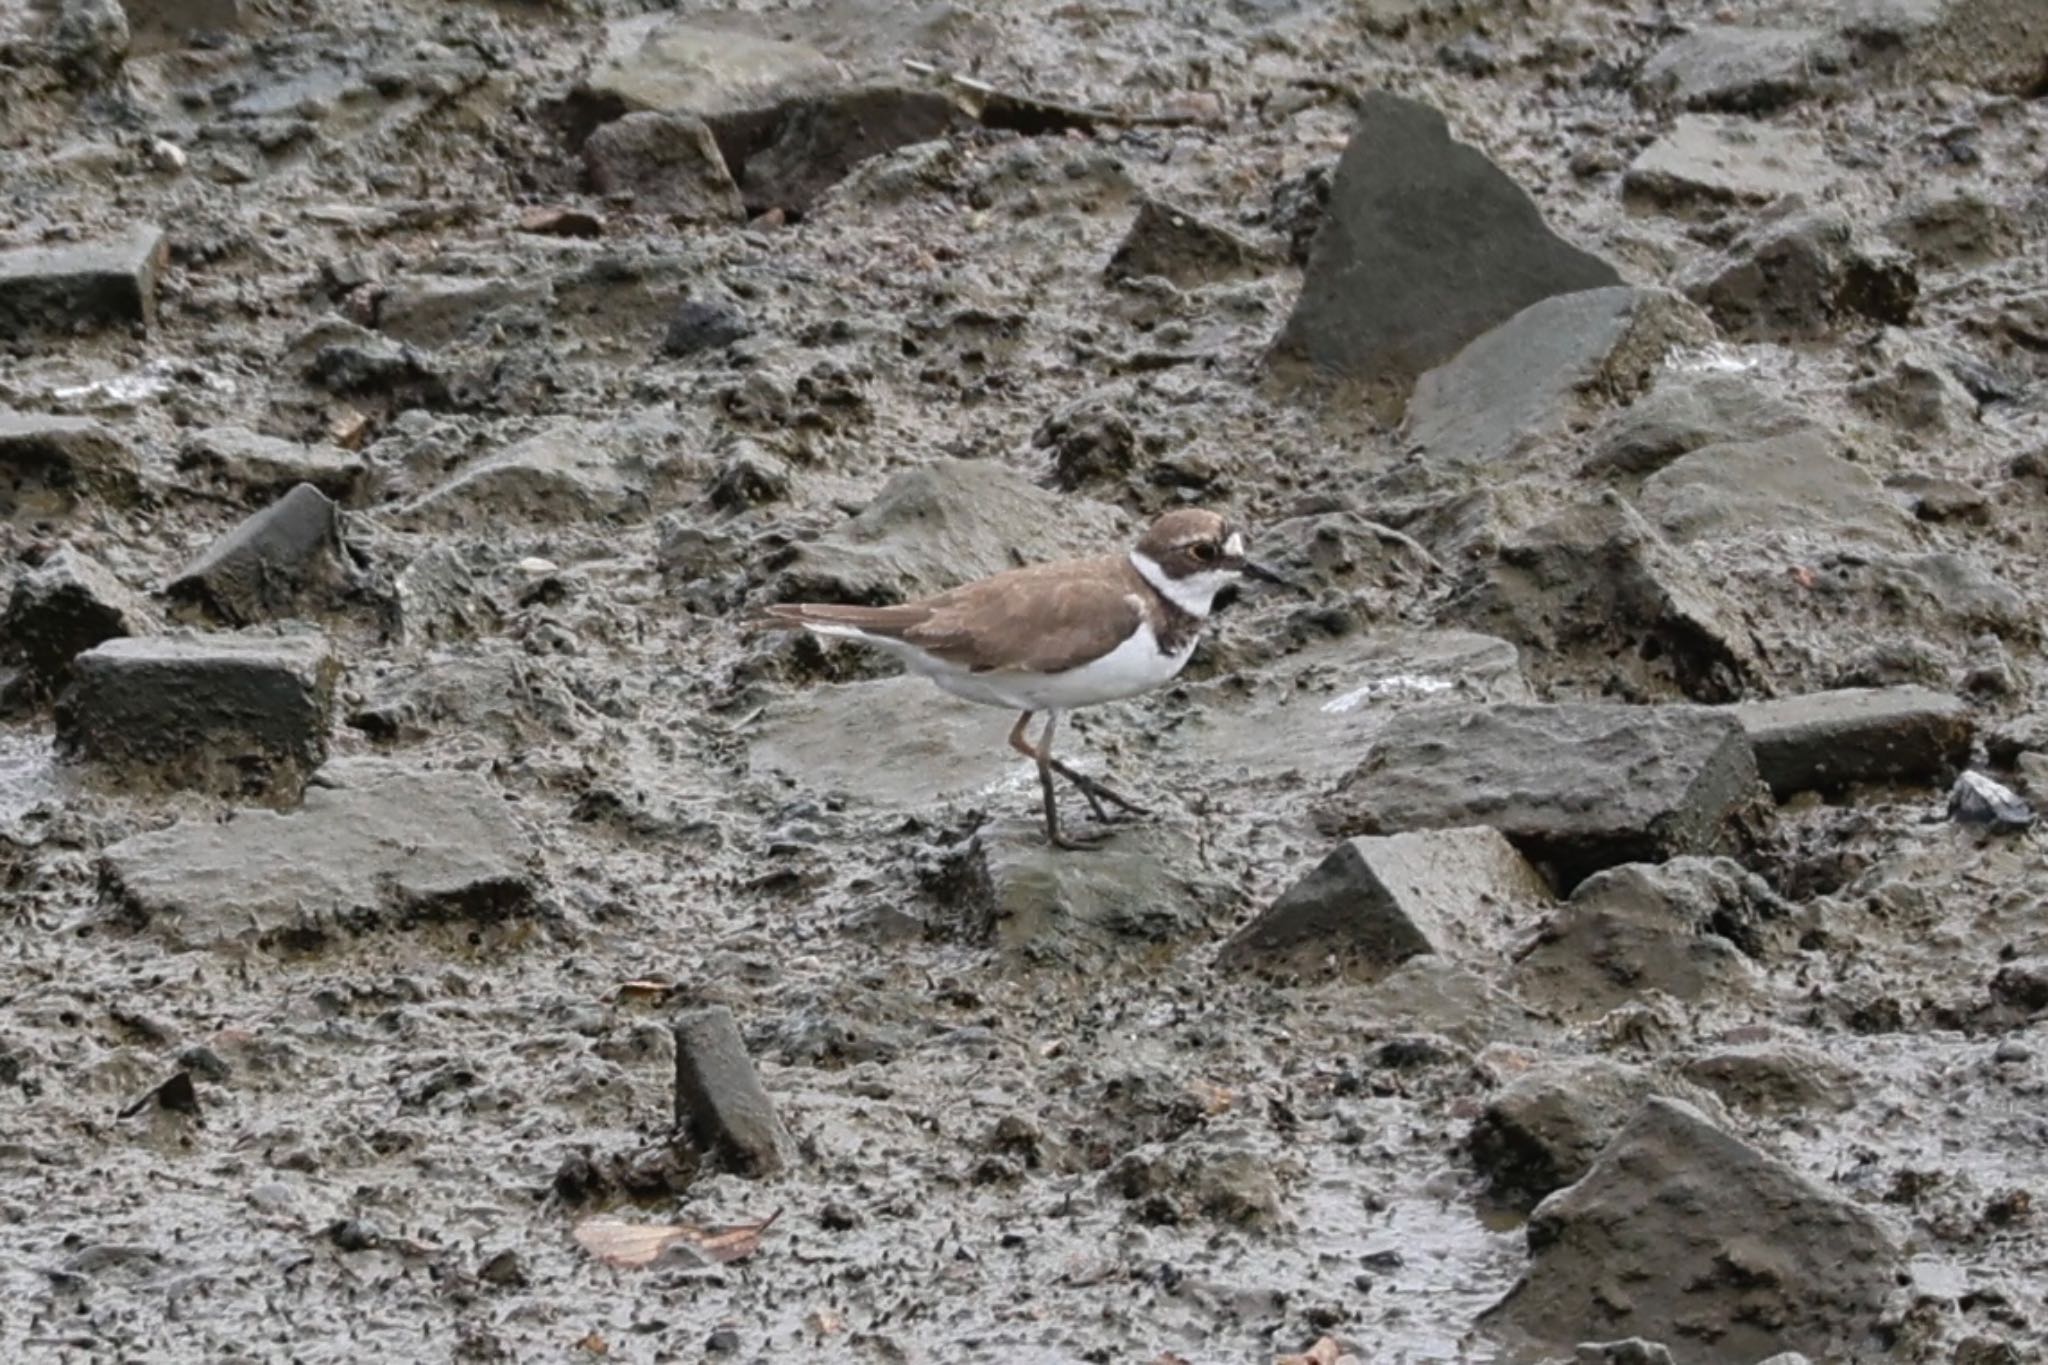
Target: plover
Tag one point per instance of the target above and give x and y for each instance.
(1052, 637)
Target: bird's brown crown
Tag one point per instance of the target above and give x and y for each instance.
(1192, 540)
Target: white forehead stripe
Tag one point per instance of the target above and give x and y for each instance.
(1194, 594)
(1234, 547)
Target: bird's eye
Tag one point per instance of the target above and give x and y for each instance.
(1205, 552)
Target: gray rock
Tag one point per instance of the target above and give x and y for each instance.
(435, 310)
(817, 139)
(1183, 1183)
(702, 325)
(278, 562)
(1738, 69)
(721, 1108)
(1955, 227)
(1684, 412)
(822, 739)
(1918, 394)
(1793, 487)
(46, 462)
(1089, 440)
(1597, 586)
(1010, 889)
(1778, 1080)
(1374, 903)
(562, 474)
(669, 163)
(1800, 276)
(1725, 1246)
(1426, 244)
(1824, 741)
(1714, 160)
(259, 468)
(1545, 370)
(232, 714)
(1944, 587)
(400, 849)
(81, 286)
(469, 694)
(63, 607)
(1680, 928)
(1432, 994)
(1545, 1128)
(159, 24)
(1633, 1351)
(90, 40)
(941, 523)
(1997, 45)
(1580, 786)
(1175, 245)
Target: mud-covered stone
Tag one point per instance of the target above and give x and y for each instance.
(397, 849)
(669, 163)
(721, 1108)
(1739, 69)
(816, 139)
(1681, 1232)
(47, 462)
(1579, 786)
(258, 468)
(1202, 1180)
(1011, 889)
(1802, 276)
(1684, 413)
(1546, 1127)
(1432, 994)
(281, 561)
(1175, 245)
(1949, 228)
(81, 286)
(232, 714)
(436, 310)
(703, 325)
(1715, 160)
(1684, 928)
(1780, 1080)
(1545, 371)
(1795, 486)
(562, 474)
(942, 523)
(1823, 741)
(1425, 244)
(1373, 903)
(1597, 581)
(61, 608)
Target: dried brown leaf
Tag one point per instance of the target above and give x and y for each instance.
(595, 1345)
(629, 1246)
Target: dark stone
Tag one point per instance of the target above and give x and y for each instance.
(1739, 70)
(1800, 278)
(1544, 1130)
(1374, 903)
(81, 286)
(1775, 1079)
(233, 714)
(1685, 413)
(272, 564)
(61, 608)
(1300, 204)
(46, 462)
(1633, 1351)
(669, 163)
(1175, 245)
(259, 468)
(1426, 244)
(818, 139)
(721, 1108)
(1580, 786)
(1824, 741)
(748, 477)
(397, 850)
(1091, 440)
(1723, 1245)
(700, 325)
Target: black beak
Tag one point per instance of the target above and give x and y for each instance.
(1254, 569)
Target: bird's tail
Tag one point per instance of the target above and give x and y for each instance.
(830, 618)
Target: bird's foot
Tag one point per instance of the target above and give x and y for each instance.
(1086, 841)
(1097, 792)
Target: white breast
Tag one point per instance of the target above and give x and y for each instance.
(1133, 667)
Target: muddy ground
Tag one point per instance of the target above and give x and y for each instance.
(576, 434)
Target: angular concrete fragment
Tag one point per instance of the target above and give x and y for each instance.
(399, 849)
(270, 564)
(260, 468)
(1824, 741)
(1680, 1231)
(232, 714)
(81, 286)
(1580, 786)
(812, 142)
(721, 1108)
(1802, 276)
(1683, 413)
(1775, 1079)
(1709, 159)
(669, 163)
(1546, 1127)
(1793, 485)
(1374, 903)
(1175, 245)
(1739, 69)
(47, 461)
(63, 607)
(1543, 371)
(1426, 245)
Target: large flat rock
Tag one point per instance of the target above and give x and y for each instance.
(1545, 370)
(399, 849)
(1427, 244)
(1824, 741)
(1710, 159)
(1579, 786)
(1682, 1233)
(81, 286)
(1793, 486)
(48, 461)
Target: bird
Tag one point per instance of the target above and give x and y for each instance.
(1048, 638)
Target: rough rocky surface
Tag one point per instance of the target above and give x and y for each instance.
(579, 441)
(82, 286)
(63, 607)
(1826, 740)
(283, 561)
(721, 1109)
(1730, 1252)
(1577, 786)
(668, 163)
(1425, 244)
(1546, 1127)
